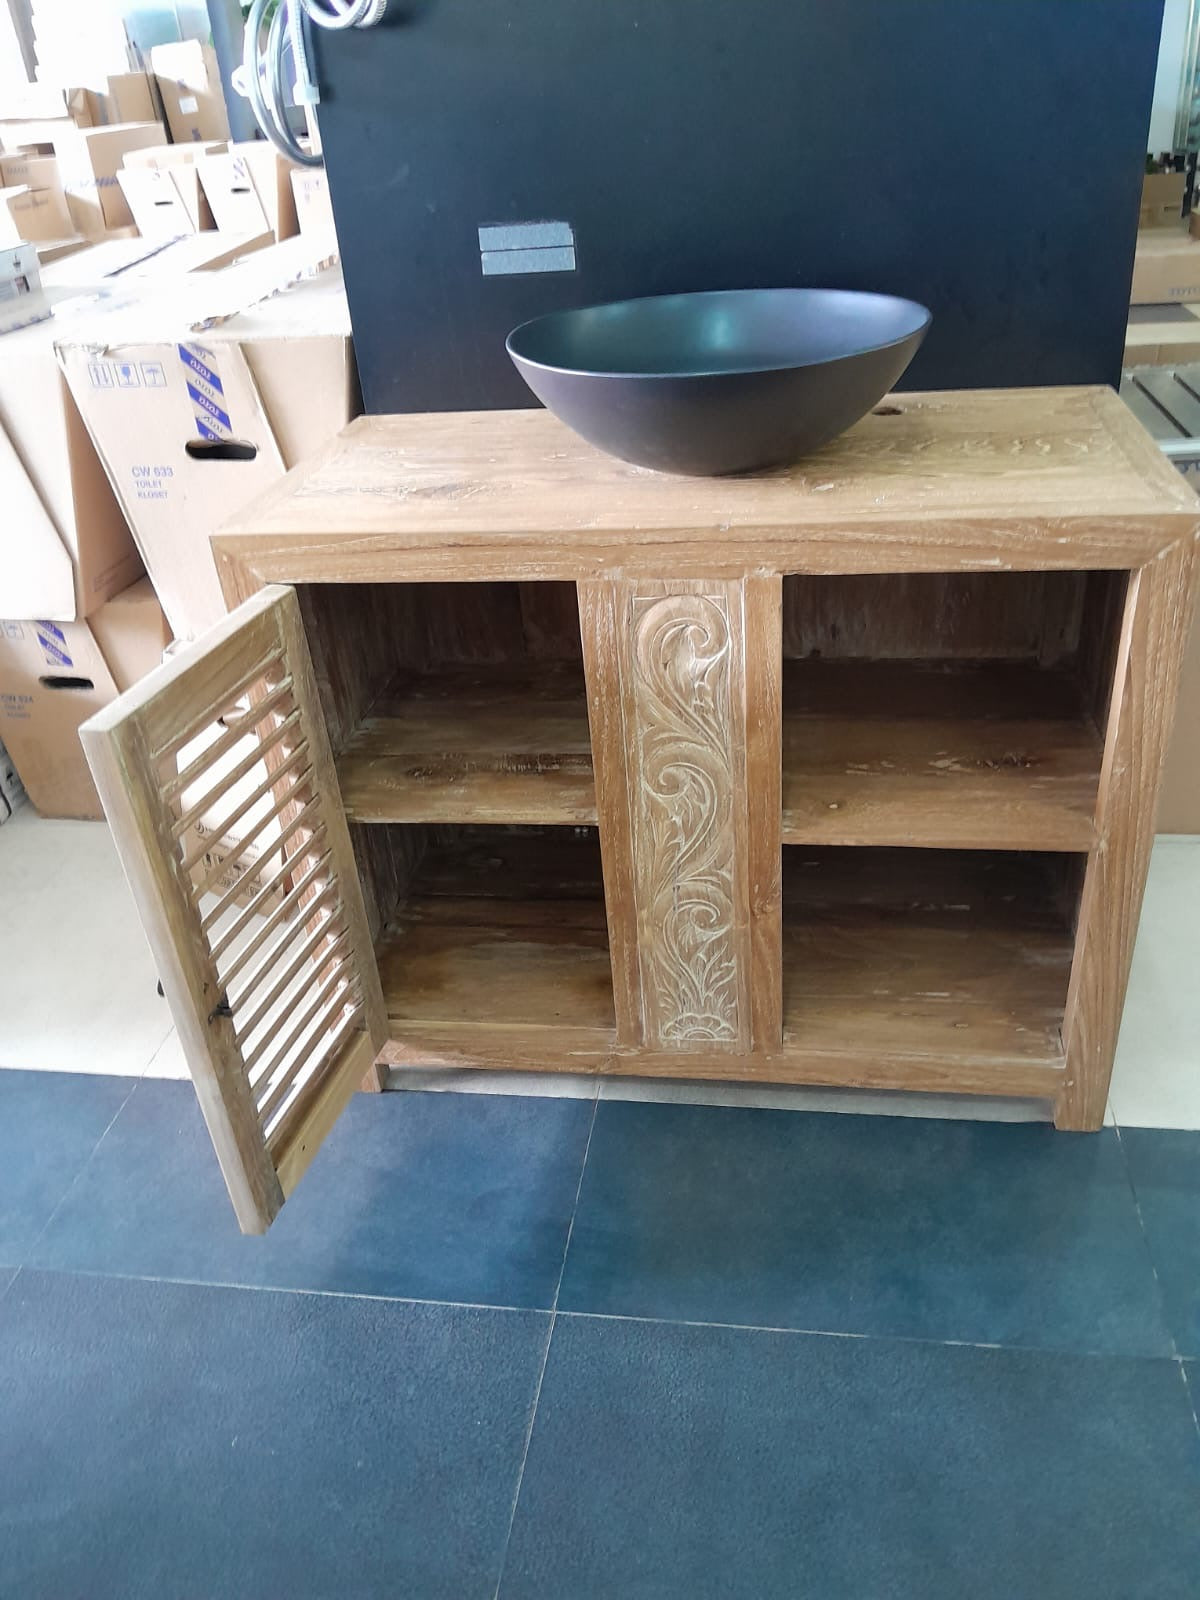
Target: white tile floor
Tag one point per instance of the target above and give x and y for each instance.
(78, 993)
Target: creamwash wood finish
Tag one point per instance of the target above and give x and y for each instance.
(733, 709)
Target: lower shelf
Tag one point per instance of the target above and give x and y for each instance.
(503, 932)
(976, 755)
(928, 970)
(956, 957)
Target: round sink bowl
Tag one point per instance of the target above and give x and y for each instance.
(730, 381)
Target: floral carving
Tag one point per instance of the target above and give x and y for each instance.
(683, 817)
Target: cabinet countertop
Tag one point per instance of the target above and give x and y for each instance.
(1028, 478)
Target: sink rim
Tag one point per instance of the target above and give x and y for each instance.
(919, 327)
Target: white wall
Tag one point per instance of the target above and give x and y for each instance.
(1171, 51)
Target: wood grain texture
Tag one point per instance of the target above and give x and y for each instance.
(260, 1056)
(763, 779)
(994, 530)
(958, 755)
(505, 927)
(902, 969)
(990, 480)
(506, 743)
(1154, 636)
(865, 1063)
(958, 955)
(948, 616)
(602, 619)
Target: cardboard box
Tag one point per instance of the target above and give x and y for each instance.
(37, 172)
(66, 545)
(166, 202)
(53, 676)
(22, 298)
(189, 85)
(1166, 267)
(314, 211)
(12, 790)
(198, 252)
(173, 155)
(114, 268)
(52, 250)
(29, 216)
(196, 407)
(121, 97)
(1162, 199)
(89, 160)
(250, 188)
(132, 632)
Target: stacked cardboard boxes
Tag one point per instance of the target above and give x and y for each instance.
(61, 149)
(69, 565)
(54, 675)
(202, 394)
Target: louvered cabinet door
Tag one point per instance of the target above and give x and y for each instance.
(218, 782)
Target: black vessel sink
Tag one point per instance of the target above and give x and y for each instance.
(729, 381)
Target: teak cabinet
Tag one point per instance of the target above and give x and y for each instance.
(840, 775)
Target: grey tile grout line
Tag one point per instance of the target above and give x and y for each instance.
(1153, 1264)
(281, 1288)
(1189, 1392)
(1180, 1360)
(537, 1393)
(84, 1165)
(590, 1316)
(875, 1338)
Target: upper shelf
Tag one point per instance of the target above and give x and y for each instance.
(474, 744)
(979, 756)
(991, 755)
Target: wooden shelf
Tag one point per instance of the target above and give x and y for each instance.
(500, 932)
(474, 744)
(990, 755)
(955, 960)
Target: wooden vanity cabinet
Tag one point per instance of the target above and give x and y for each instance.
(841, 775)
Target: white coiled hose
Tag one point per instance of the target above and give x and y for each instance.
(263, 78)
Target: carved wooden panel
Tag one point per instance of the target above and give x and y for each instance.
(685, 844)
(691, 892)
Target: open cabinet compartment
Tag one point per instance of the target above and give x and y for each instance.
(488, 930)
(454, 702)
(959, 954)
(962, 710)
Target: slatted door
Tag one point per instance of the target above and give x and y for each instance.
(265, 956)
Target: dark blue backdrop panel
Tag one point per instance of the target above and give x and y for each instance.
(983, 156)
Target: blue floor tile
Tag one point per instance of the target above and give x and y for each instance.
(428, 1196)
(721, 1464)
(50, 1123)
(172, 1440)
(1164, 1165)
(989, 1233)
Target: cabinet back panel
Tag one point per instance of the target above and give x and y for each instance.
(1033, 616)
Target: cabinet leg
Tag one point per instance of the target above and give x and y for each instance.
(1153, 635)
(376, 1079)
